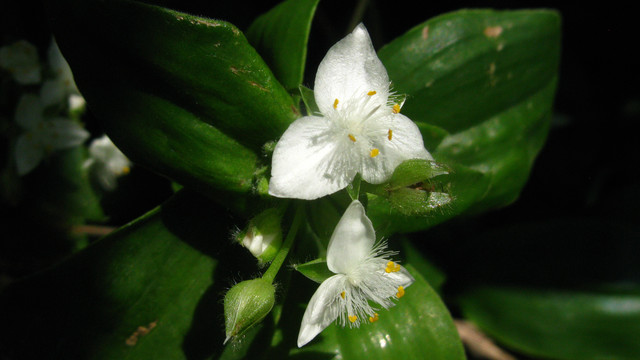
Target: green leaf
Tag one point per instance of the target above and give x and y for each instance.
(418, 327)
(559, 324)
(165, 272)
(281, 37)
(184, 95)
(480, 86)
(431, 273)
(315, 270)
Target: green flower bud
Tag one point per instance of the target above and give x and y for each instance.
(263, 236)
(246, 304)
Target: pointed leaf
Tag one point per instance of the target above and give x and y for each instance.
(480, 86)
(559, 324)
(148, 291)
(281, 37)
(184, 95)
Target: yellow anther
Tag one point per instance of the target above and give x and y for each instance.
(372, 92)
(373, 318)
(353, 318)
(395, 109)
(342, 294)
(352, 138)
(126, 170)
(392, 267)
(335, 104)
(374, 153)
(400, 292)
(390, 134)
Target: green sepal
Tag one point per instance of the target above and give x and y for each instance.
(309, 100)
(315, 270)
(246, 304)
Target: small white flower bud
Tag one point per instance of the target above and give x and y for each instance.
(263, 236)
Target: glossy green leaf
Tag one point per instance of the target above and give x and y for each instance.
(164, 272)
(418, 327)
(559, 324)
(184, 95)
(315, 270)
(281, 37)
(480, 86)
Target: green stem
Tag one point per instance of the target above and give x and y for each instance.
(277, 262)
(353, 189)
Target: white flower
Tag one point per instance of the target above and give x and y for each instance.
(21, 60)
(62, 87)
(360, 130)
(107, 162)
(42, 136)
(363, 272)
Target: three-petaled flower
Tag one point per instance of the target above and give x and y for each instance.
(360, 130)
(363, 272)
(107, 162)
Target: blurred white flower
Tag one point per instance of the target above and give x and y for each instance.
(361, 129)
(363, 273)
(21, 60)
(42, 136)
(107, 162)
(62, 86)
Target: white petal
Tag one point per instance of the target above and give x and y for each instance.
(352, 240)
(308, 162)
(29, 111)
(398, 278)
(106, 178)
(322, 310)
(53, 92)
(21, 60)
(62, 134)
(28, 154)
(406, 143)
(61, 68)
(350, 69)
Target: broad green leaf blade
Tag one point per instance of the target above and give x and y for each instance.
(165, 272)
(418, 327)
(315, 270)
(480, 86)
(183, 95)
(281, 37)
(559, 324)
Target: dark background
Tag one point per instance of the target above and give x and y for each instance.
(576, 222)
